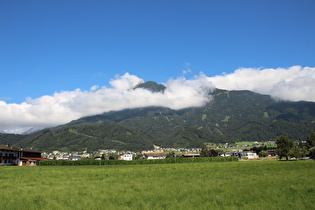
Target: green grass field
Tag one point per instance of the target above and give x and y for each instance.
(218, 185)
(241, 143)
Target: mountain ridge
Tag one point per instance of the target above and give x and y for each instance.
(230, 116)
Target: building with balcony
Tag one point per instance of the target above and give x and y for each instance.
(10, 155)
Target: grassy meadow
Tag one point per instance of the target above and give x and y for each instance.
(206, 185)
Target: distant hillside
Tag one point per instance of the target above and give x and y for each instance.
(11, 139)
(93, 137)
(231, 116)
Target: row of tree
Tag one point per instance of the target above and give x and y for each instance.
(286, 147)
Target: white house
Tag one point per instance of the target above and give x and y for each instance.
(126, 156)
(74, 158)
(250, 155)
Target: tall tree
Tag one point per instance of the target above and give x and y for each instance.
(310, 141)
(284, 145)
(204, 152)
(310, 144)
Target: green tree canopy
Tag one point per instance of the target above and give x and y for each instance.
(310, 144)
(298, 150)
(206, 152)
(284, 145)
(310, 141)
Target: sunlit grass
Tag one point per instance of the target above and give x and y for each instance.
(228, 185)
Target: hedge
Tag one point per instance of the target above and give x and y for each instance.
(135, 162)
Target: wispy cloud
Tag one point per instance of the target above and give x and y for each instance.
(5, 98)
(187, 68)
(294, 83)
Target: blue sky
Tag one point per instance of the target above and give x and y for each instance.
(48, 47)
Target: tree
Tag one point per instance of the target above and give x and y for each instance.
(284, 145)
(205, 152)
(312, 152)
(171, 154)
(310, 141)
(310, 144)
(213, 153)
(259, 149)
(297, 150)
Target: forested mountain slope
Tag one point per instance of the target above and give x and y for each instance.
(230, 116)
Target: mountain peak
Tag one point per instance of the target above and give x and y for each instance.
(152, 86)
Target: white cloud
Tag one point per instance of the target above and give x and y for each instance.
(95, 87)
(125, 82)
(62, 107)
(187, 71)
(294, 83)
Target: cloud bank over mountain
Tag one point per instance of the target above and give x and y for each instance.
(64, 106)
(294, 83)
